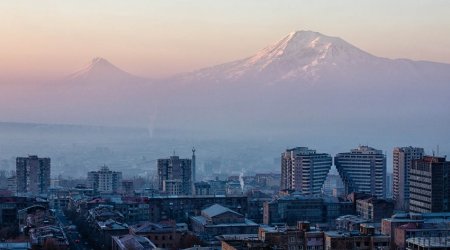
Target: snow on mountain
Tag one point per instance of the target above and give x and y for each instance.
(306, 80)
(307, 56)
(309, 80)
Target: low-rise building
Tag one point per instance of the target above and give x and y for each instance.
(242, 242)
(202, 188)
(366, 238)
(163, 235)
(9, 206)
(402, 226)
(297, 207)
(428, 243)
(105, 230)
(129, 241)
(256, 200)
(15, 245)
(300, 237)
(217, 220)
(103, 213)
(234, 188)
(350, 222)
(46, 236)
(43, 229)
(374, 209)
(180, 208)
(218, 187)
(414, 230)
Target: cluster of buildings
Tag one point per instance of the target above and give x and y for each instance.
(31, 223)
(362, 170)
(303, 207)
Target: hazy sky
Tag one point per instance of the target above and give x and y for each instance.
(160, 37)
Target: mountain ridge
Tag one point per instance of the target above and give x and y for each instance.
(301, 56)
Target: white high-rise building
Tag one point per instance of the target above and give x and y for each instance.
(105, 180)
(304, 170)
(363, 170)
(402, 161)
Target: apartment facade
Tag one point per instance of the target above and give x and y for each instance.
(363, 169)
(304, 170)
(402, 161)
(429, 185)
(32, 175)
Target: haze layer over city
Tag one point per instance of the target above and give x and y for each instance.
(123, 84)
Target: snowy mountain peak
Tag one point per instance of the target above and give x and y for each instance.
(306, 49)
(305, 55)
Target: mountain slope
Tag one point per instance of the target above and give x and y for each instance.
(101, 70)
(100, 93)
(307, 56)
(304, 81)
(308, 81)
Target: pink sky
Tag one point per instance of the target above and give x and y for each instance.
(159, 38)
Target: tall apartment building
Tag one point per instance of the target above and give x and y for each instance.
(304, 170)
(32, 174)
(175, 176)
(429, 185)
(105, 180)
(363, 170)
(402, 161)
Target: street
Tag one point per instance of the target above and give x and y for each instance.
(76, 242)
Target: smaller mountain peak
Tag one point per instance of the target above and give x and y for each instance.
(100, 68)
(305, 32)
(100, 61)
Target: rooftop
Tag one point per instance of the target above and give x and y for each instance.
(339, 234)
(147, 227)
(430, 241)
(15, 245)
(217, 209)
(351, 218)
(112, 225)
(202, 220)
(129, 241)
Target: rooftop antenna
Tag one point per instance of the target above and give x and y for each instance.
(437, 150)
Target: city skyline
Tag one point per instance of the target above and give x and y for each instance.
(224, 124)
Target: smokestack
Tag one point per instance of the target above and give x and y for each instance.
(241, 180)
